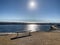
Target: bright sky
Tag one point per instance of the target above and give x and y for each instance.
(18, 10)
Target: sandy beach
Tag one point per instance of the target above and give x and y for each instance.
(37, 38)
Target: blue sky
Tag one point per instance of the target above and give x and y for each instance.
(16, 10)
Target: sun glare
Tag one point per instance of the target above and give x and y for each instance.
(32, 27)
(32, 4)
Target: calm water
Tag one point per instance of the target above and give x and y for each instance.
(21, 28)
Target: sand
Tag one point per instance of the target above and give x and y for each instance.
(37, 38)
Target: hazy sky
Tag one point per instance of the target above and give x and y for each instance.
(16, 10)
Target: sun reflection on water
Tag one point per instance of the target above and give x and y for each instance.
(32, 27)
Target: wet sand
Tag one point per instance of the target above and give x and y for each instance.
(37, 38)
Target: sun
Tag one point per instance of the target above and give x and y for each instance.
(32, 4)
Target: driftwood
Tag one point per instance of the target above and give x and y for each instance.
(21, 35)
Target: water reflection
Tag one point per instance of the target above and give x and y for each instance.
(21, 28)
(34, 27)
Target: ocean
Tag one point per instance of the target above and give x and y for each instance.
(22, 28)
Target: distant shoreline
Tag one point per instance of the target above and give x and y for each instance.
(24, 23)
